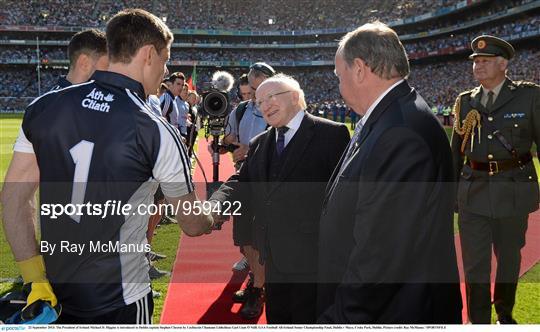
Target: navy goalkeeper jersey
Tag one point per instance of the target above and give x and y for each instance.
(98, 143)
(62, 83)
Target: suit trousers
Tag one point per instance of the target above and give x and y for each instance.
(290, 298)
(478, 234)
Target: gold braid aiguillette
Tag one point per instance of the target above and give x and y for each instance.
(466, 129)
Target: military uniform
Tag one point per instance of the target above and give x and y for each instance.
(497, 185)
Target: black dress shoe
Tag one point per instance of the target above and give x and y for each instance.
(240, 296)
(253, 306)
(503, 320)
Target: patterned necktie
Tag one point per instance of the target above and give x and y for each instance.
(489, 103)
(280, 144)
(354, 141)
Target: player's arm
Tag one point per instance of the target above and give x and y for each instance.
(172, 170)
(175, 114)
(20, 185)
(165, 104)
(192, 221)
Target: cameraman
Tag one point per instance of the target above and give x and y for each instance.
(246, 121)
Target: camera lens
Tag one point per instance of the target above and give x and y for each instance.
(215, 104)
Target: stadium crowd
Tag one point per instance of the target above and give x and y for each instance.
(320, 83)
(30, 54)
(464, 17)
(201, 14)
(420, 46)
(526, 24)
(230, 14)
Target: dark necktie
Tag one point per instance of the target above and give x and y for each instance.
(280, 144)
(489, 103)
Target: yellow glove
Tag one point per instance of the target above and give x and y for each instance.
(33, 271)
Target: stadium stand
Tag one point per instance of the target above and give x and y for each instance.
(201, 14)
(436, 35)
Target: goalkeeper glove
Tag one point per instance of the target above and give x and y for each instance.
(33, 271)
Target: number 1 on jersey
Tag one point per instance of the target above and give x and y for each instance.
(82, 156)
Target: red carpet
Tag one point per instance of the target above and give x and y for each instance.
(202, 282)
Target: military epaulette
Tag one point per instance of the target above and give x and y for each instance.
(457, 104)
(468, 92)
(526, 84)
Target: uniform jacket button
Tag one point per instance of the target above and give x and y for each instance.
(490, 156)
(490, 136)
(490, 118)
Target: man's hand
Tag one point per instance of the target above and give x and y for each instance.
(240, 153)
(221, 149)
(33, 271)
(217, 219)
(193, 222)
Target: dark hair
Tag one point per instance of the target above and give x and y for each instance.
(261, 68)
(163, 87)
(91, 42)
(243, 80)
(131, 29)
(175, 76)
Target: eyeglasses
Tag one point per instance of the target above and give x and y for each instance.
(270, 97)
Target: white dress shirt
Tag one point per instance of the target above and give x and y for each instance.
(293, 126)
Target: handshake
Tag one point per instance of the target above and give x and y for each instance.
(218, 218)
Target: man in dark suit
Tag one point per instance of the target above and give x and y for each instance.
(281, 188)
(496, 125)
(386, 250)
